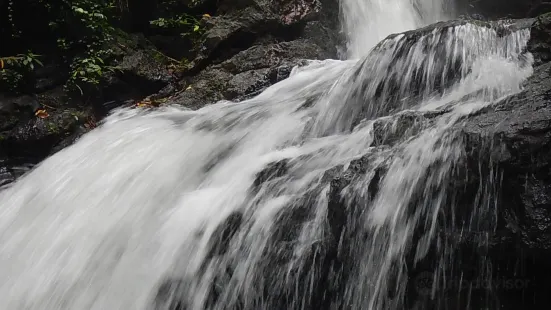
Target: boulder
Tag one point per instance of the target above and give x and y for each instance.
(242, 24)
(540, 43)
(33, 138)
(494, 9)
(247, 73)
(140, 69)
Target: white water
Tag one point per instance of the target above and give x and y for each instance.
(101, 224)
(367, 22)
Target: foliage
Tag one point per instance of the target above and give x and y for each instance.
(88, 70)
(185, 23)
(78, 29)
(78, 34)
(88, 65)
(14, 70)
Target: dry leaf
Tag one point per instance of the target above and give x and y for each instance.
(41, 113)
(143, 104)
(147, 103)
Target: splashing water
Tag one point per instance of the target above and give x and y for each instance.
(240, 205)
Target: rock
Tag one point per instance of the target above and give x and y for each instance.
(50, 77)
(136, 14)
(6, 176)
(514, 139)
(245, 22)
(223, 235)
(173, 45)
(197, 5)
(35, 138)
(141, 69)
(540, 40)
(261, 66)
(13, 109)
(539, 9)
(521, 129)
(272, 171)
(494, 9)
(169, 294)
(23, 104)
(247, 73)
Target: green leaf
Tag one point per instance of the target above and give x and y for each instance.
(196, 28)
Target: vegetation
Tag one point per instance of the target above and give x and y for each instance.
(186, 23)
(14, 70)
(78, 35)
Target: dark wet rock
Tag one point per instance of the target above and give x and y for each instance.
(540, 41)
(205, 88)
(494, 9)
(539, 9)
(509, 145)
(140, 69)
(49, 77)
(21, 104)
(247, 73)
(241, 83)
(196, 5)
(224, 234)
(520, 128)
(247, 23)
(388, 131)
(36, 137)
(6, 176)
(272, 171)
(173, 45)
(169, 295)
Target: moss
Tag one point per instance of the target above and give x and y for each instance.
(52, 127)
(160, 57)
(545, 16)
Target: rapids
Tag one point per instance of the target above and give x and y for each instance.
(105, 222)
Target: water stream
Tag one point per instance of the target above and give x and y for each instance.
(229, 206)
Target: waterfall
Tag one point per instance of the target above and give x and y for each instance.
(367, 22)
(312, 195)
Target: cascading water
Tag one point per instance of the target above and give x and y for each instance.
(237, 205)
(368, 22)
